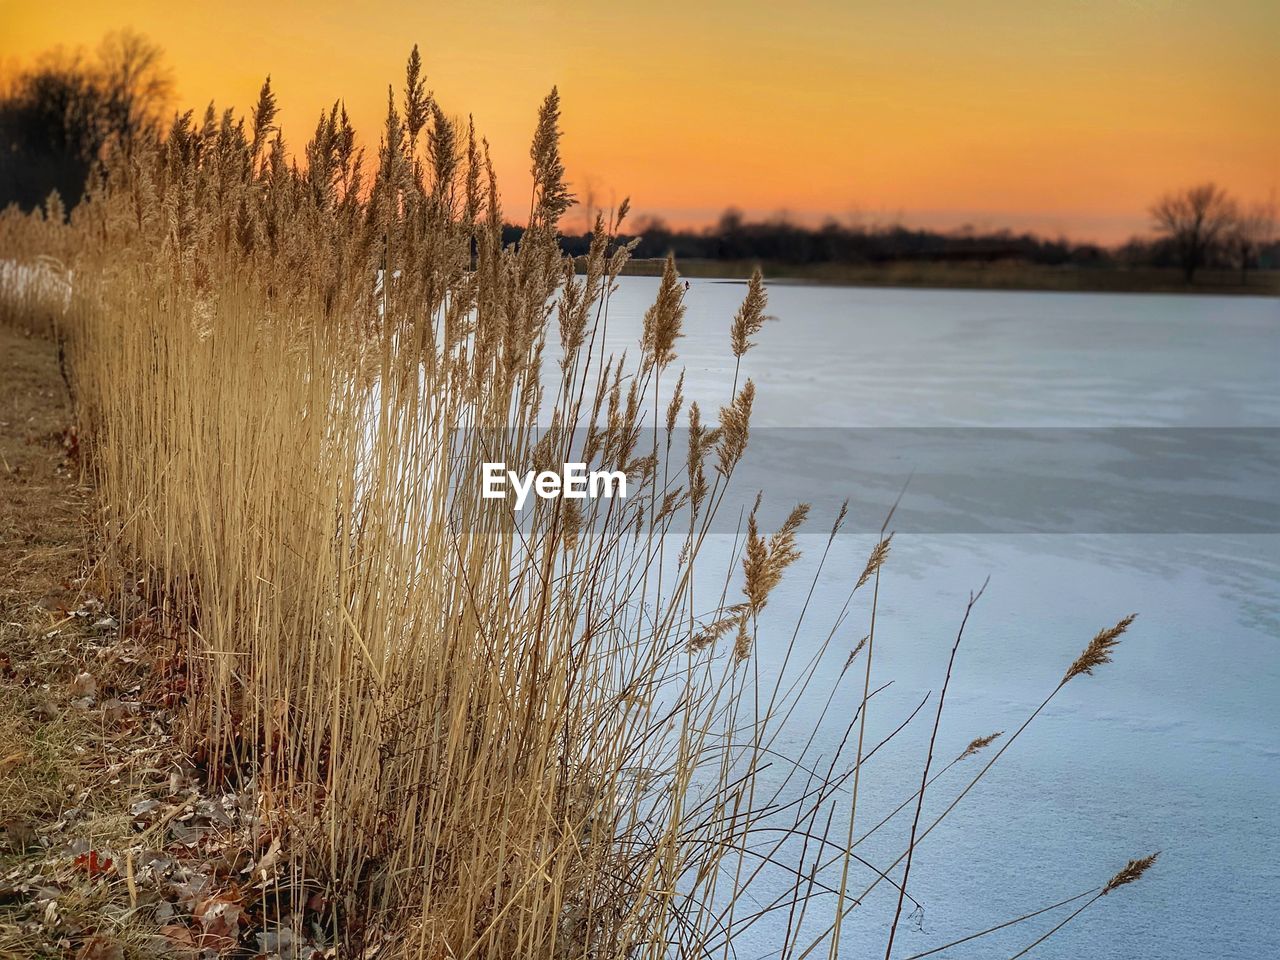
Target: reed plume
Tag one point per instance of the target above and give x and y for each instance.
(878, 556)
(980, 743)
(1099, 650)
(490, 734)
(750, 318)
(1131, 872)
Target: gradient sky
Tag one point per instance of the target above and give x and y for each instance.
(1066, 116)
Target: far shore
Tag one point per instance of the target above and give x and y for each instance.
(980, 276)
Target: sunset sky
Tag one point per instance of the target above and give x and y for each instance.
(1062, 116)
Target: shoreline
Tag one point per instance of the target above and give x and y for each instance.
(1021, 277)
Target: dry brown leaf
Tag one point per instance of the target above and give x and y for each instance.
(84, 685)
(100, 947)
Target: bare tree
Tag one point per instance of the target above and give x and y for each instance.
(48, 123)
(1196, 220)
(1253, 231)
(58, 116)
(590, 204)
(136, 85)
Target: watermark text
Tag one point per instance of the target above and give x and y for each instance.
(572, 482)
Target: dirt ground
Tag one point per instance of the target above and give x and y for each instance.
(78, 743)
(113, 845)
(44, 738)
(42, 503)
(42, 554)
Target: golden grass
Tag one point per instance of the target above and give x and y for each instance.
(492, 735)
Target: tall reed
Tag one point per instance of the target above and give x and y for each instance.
(493, 734)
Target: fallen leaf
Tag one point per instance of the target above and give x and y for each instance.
(221, 922)
(99, 947)
(215, 941)
(178, 935)
(190, 892)
(93, 863)
(268, 861)
(20, 834)
(84, 687)
(115, 711)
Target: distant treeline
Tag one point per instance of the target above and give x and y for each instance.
(780, 241)
(60, 116)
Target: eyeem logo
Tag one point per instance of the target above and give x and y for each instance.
(572, 483)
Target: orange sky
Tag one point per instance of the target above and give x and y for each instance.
(1067, 115)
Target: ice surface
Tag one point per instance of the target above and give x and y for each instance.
(1172, 747)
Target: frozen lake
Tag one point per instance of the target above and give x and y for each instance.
(1174, 746)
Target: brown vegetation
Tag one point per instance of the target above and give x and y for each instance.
(450, 730)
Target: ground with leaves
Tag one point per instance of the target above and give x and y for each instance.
(111, 847)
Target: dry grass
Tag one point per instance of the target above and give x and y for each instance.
(42, 542)
(39, 749)
(69, 748)
(482, 734)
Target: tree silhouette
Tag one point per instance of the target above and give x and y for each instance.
(58, 116)
(1253, 231)
(134, 84)
(1196, 220)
